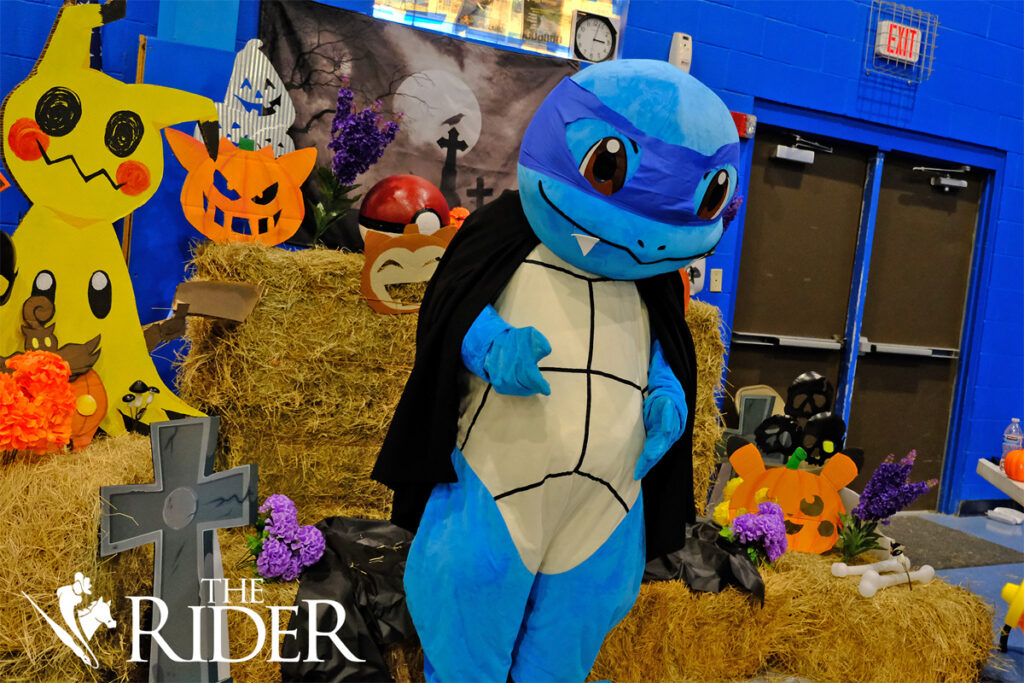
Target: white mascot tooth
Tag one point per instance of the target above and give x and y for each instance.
(586, 242)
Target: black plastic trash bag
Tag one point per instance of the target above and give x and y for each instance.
(362, 569)
(708, 563)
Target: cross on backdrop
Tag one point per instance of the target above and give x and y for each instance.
(453, 145)
(479, 192)
(179, 513)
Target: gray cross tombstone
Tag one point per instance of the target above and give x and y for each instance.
(180, 513)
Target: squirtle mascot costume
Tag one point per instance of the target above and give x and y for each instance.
(542, 447)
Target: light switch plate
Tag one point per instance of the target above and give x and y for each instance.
(715, 280)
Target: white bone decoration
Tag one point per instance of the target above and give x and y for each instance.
(872, 580)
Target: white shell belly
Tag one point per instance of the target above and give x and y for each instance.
(561, 466)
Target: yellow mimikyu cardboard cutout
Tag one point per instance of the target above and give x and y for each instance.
(86, 150)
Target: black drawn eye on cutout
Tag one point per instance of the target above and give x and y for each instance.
(793, 528)
(124, 132)
(44, 284)
(8, 267)
(389, 264)
(826, 528)
(268, 195)
(99, 294)
(268, 85)
(813, 508)
(58, 111)
(221, 185)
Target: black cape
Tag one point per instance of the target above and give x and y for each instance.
(475, 268)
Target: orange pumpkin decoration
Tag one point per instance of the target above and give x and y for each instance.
(810, 502)
(90, 408)
(1014, 464)
(243, 196)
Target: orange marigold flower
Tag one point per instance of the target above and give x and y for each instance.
(36, 403)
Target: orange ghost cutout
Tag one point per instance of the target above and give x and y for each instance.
(402, 259)
(243, 196)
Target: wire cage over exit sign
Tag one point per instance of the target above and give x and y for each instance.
(900, 42)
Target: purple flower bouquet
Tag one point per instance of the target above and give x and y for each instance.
(763, 533)
(281, 548)
(358, 139)
(887, 492)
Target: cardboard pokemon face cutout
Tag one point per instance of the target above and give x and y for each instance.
(257, 105)
(627, 168)
(82, 143)
(243, 196)
(407, 259)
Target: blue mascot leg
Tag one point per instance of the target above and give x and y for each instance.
(466, 586)
(569, 614)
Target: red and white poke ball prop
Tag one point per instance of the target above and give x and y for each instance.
(400, 200)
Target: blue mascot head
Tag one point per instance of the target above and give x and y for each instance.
(626, 168)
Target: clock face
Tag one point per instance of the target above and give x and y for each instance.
(595, 40)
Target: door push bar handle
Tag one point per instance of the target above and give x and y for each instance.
(868, 346)
(759, 339)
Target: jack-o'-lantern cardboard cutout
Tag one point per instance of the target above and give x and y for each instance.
(394, 261)
(243, 196)
(809, 501)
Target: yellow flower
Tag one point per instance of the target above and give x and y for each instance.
(761, 495)
(721, 515)
(731, 486)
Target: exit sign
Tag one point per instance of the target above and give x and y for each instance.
(898, 41)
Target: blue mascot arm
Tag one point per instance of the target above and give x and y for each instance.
(664, 412)
(505, 356)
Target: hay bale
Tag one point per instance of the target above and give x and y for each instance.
(307, 385)
(812, 625)
(51, 512)
(705, 322)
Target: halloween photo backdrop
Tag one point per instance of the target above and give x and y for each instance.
(464, 106)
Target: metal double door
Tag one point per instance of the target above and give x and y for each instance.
(857, 266)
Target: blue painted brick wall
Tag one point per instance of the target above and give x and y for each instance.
(810, 55)
(800, 53)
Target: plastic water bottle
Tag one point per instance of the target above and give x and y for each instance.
(1012, 439)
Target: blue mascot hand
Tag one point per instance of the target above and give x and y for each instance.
(506, 356)
(665, 413)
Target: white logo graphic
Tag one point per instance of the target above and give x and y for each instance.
(81, 623)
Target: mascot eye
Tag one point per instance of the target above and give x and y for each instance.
(58, 111)
(715, 195)
(604, 166)
(99, 294)
(266, 196)
(44, 285)
(428, 222)
(124, 132)
(220, 183)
